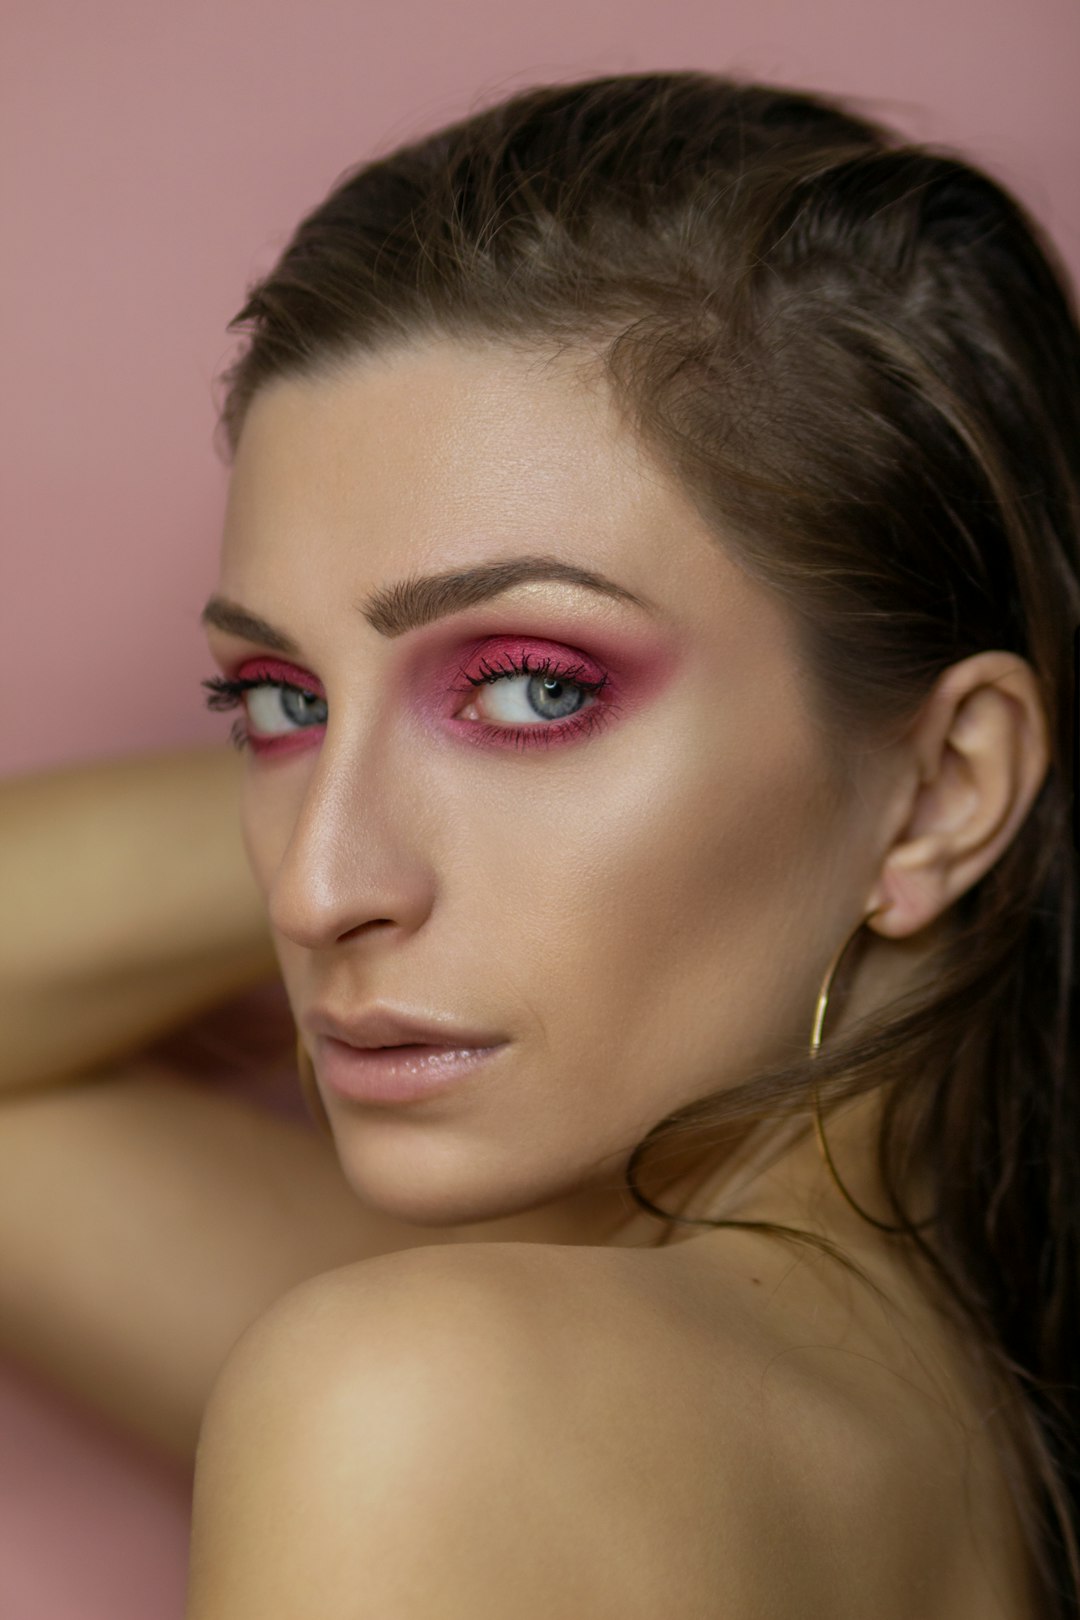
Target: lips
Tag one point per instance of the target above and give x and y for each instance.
(390, 1026)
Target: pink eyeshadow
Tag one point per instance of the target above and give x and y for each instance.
(253, 669)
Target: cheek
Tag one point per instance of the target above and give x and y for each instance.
(267, 819)
(664, 912)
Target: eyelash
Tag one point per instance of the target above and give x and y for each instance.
(227, 694)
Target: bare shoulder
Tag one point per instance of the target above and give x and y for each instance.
(402, 1313)
(388, 1395)
(375, 1448)
(579, 1431)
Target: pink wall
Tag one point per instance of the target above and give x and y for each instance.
(157, 154)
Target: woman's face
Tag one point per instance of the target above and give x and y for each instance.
(637, 885)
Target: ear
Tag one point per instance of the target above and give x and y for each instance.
(975, 760)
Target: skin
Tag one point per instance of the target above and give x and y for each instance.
(645, 911)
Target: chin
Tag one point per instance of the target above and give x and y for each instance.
(446, 1186)
(422, 1194)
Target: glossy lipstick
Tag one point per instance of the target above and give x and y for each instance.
(394, 1074)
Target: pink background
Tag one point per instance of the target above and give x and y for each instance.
(156, 157)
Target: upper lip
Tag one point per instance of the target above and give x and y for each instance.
(385, 1026)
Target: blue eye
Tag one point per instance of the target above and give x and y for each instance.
(552, 701)
(271, 701)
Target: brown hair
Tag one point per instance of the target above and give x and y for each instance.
(861, 359)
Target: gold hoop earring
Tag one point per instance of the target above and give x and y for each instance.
(310, 1089)
(815, 1047)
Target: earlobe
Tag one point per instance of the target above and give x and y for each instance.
(913, 890)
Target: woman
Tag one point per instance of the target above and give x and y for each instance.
(648, 578)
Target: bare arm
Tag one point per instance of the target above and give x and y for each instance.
(145, 1222)
(128, 908)
(146, 1219)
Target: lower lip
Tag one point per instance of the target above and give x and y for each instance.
(395, 1074)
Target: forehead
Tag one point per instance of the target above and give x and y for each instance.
(447, 455)
(441, 437)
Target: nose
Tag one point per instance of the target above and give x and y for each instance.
(353, 864)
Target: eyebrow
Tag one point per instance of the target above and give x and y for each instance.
(410, 603)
